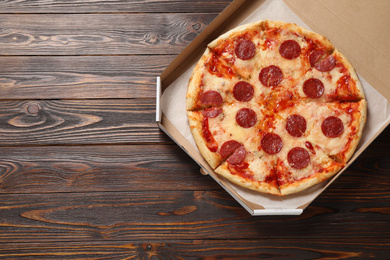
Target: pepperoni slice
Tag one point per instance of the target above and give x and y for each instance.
(332, 127)
(296, 125)
(320, 60)
(243, 91)
(238, 156)
(245, 49)
(246, 117)
(211, 98)
(290, 49)
(271, 76)
(316, 56)
(271, 143)
(229, 147)
(313, 88)
(212, 112)
(298, 158)
(326, 64)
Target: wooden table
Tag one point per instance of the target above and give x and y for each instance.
(86, 173)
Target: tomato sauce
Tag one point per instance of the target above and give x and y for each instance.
(269, 44)
(242, 170)
(310, 147)
(272, 178)
(216, 67)
(210, 141)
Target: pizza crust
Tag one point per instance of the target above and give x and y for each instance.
(259, 186)
(352, 72)
(359, 122)
(315, 37)
(195, 81)
(195, 121)
(233, 33)
(300, 185)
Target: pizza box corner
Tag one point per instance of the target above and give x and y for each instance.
(371, 60)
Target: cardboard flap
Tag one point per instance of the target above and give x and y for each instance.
(358, 28)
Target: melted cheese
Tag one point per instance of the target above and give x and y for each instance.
(315, 113)
(225, 128)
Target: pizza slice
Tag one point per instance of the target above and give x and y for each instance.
(338, 128)
(208, 83)
(286, 54)
(335, 127)
(298, 163)
(213, 82)
(219, 131)
(285, 47)
(301, 165)
(240, 48)
(337, 81)
(277, 161)
(250, 167)
(256, 170)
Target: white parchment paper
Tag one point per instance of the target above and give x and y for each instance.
(173, 103)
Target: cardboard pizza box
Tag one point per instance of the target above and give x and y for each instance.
(358, 28)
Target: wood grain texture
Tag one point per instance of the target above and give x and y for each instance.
(211, 249)
(80, 77)
(107, 168)
(108, 121)
(117, 6)
(181, 215)
(86, 174)
(101, 168)
(99, 34)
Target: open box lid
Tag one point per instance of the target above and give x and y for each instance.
(371, 62)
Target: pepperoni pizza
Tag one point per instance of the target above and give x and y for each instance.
(274, 107)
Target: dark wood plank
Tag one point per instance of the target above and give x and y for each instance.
(171, 215)
(80, 77)
(109, 121)
(99, 34)
(319, 248)
(151, 167)
(91, 168)
(117, 6)
(99, 168)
